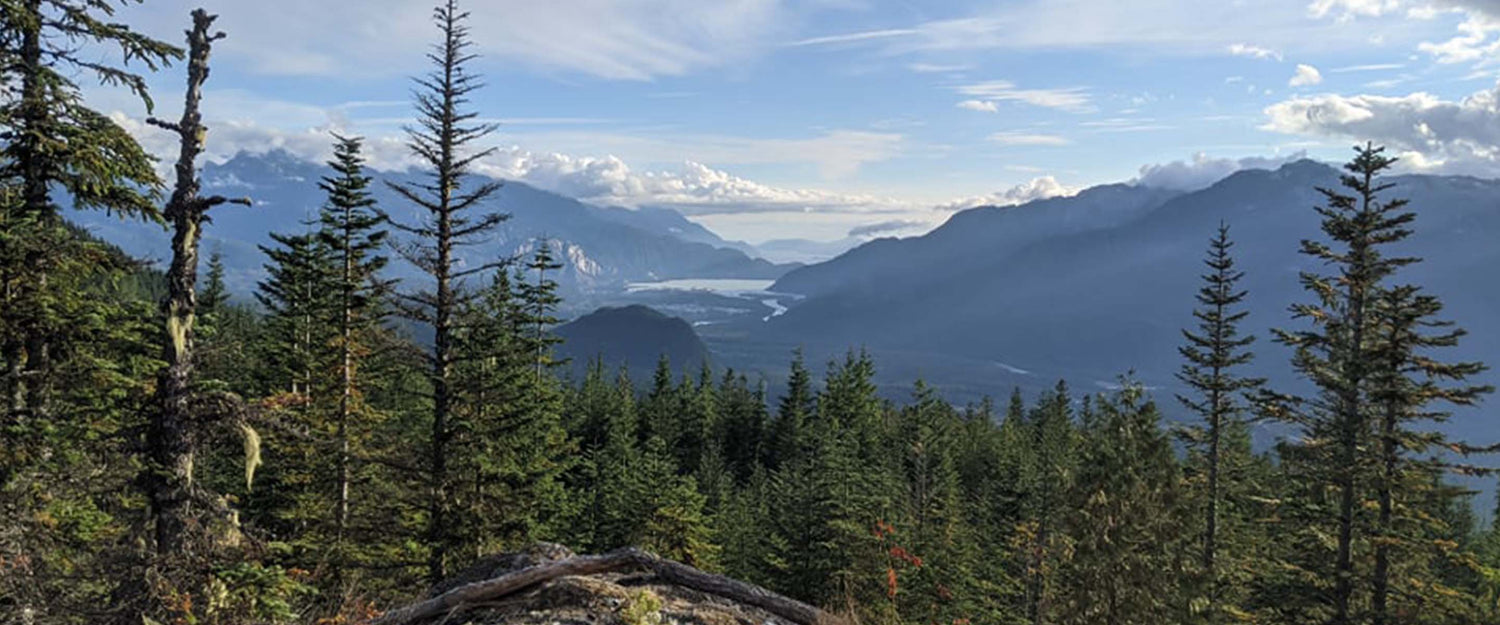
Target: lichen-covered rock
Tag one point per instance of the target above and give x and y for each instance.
(612, 598)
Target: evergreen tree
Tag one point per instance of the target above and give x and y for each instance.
(743, 425)
(214, 295)
(659, 406)
(443, 141)
(932, 507)
(1045, 482)
(1212, 355)
(539, 301)
(605, 422)
(510, 451)
(350, 229)
(1125, 518)
(1406, 381)
(794, 410)
(296, 296)
(675, 525)
(50, 140)
(1338, 352)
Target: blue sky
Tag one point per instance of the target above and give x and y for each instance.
(767, 119)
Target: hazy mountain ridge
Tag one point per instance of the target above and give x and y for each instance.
(872, 266)
(602, 248)
(1024, 287)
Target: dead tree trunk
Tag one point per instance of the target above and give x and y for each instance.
(620, 560)
(172, 433)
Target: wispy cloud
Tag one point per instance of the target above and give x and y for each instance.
(1347, 9)
(1072, 99)
(1254, 52)
(1022, 138)
(935, 68)
(1373, 67)
(886, 227)
(637, 40)
(869, 35)
(982, 106)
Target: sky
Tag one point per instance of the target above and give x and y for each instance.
(825, 119)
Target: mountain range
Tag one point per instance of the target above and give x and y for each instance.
(1086, 287)
(1099, 284)
(603, 249)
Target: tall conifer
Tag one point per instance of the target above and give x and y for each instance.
(444, 141)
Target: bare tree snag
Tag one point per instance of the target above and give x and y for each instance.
(615, 561)
(171, 437)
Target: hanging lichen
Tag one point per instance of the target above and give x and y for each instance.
(252, 453)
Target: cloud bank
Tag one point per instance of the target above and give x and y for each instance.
(1202, 171)
(1432, 134)
(1039, 188)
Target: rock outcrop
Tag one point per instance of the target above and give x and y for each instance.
(548, 584)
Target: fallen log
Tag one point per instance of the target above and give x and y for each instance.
(676, 573)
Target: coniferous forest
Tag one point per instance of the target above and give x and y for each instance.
(338, 444)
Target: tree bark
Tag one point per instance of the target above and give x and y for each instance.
(171, 432)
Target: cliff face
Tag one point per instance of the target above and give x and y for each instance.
(548, 584)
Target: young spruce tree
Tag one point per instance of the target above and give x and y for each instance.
(1212, 355)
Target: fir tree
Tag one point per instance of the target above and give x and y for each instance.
(443, 141)
(1337, 353)
(214, 295)
(1212, 355)
(659, 408)
(510, 451)
(350, 229)
(50, 140)
(538, 305)
(1406, 382)
(1046, 480)
(1124, 518)
(296, 297)
(794, 410)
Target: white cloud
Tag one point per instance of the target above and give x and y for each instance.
(1254, 52)
(1035, 189)
(982, 106)
(1347, 9)
(1072, 99)
(1473, 43)
(1304, 76)
(1431, 133)
(693, 188)
(1022, 138)
(1203, 171)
